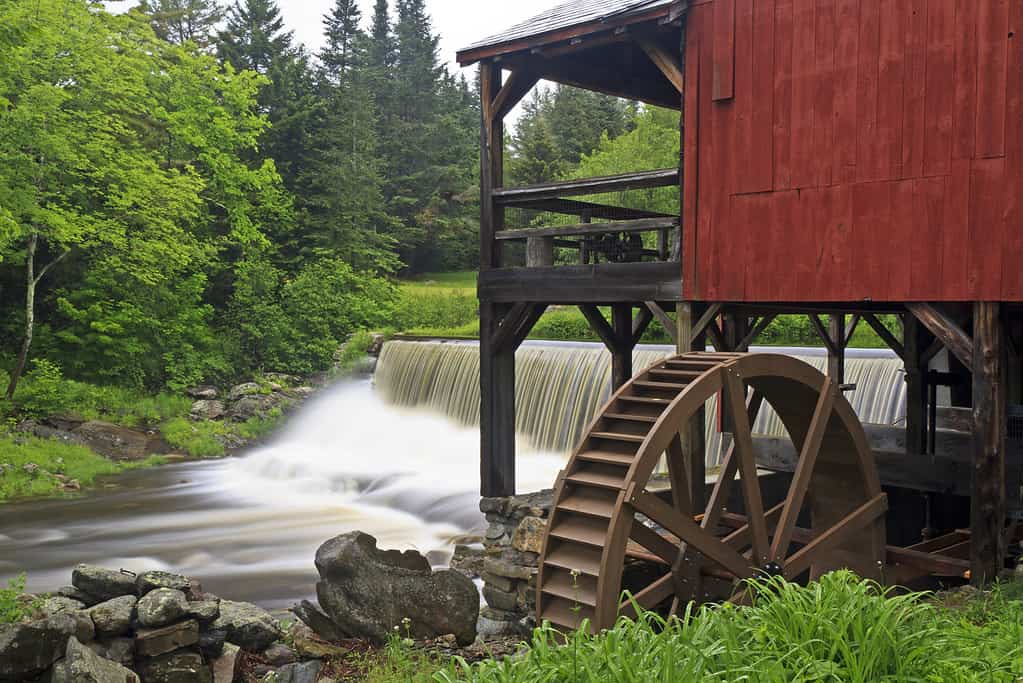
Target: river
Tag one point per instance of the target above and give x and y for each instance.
(248, 527)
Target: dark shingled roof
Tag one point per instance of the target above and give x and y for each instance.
(566, 15)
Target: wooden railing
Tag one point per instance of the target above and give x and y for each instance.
(604, 230)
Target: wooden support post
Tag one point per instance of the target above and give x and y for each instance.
(621, 354)
(693, 435)
(491, 166)
(915, 343)
(497, 408)
(539, 252)
(988, 502)
(836, 354)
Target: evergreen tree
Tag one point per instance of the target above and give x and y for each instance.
(341, 28)
(181, 21)
(254, 37)
(381, 44)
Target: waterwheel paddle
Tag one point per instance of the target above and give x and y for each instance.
(612, 514)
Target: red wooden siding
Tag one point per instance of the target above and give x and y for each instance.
(845, 150)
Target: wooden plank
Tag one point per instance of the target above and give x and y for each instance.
(724, 50)
(1012, 276)
(940, 97)
(491, 163)
(497, 410)
(581, 229)
(988, 230)
(760, 174)
(665, 62)
(711, 160)
(690, 163)
(913, 137)
(686, 529)
(782, 133)
(667, 323)
(603, 283)
(867, 72)
(519, 83)
(846, 54)
(945, 329)
(927, 562)
(988, 500)
(803, 95)
(955, 264)
(599, 325)
(906, 228)
(891, 84)
(882, 331)
(834, 537)
(964, 124)
(518, 196)
(992, 32)
(742, 433)
(871, 231)
(575, 207)
(825, 37)
(925, 232)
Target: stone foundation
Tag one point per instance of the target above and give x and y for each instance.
(512, 543)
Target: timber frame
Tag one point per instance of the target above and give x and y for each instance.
(961, 450)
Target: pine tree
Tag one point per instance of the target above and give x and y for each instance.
(341, 28)
(254, 36)
(181, 21)
(381, 45)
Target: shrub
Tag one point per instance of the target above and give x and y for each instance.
(12, 604)
(198, 439)
(424, 306)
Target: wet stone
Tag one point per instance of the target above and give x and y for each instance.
(155, 642)
(102, 584)
(113, 617)
(150, 581)
(161, 607)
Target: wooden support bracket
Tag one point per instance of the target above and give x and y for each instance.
(885, 334)
(757, 330)
(519, 83)
(667, 63)
(662, 317)
(822, 332)
(945, 329)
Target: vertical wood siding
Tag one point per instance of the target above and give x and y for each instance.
(845, 150)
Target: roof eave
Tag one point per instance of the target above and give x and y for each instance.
(472, 55)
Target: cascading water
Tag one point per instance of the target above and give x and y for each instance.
(560, 386)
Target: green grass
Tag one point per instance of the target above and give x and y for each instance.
(52, 458)
(840, 630)
(465, 279)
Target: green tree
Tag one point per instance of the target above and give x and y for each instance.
(181, 21)
(125, 165)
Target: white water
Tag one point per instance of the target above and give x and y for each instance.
(249, 526)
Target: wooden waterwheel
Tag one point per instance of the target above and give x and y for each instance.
(619, 526)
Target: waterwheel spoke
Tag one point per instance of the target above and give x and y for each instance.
(654, 542)
(804, 470)
(688, 530)
(734, 396)
(723, 486)
(680, 494)
(650, 597)
(741, 536)
(862, 517)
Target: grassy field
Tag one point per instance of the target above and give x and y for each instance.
(445, 305)
(841, 630)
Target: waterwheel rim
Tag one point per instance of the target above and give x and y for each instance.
(604, 508)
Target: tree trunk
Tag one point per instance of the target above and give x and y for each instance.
(30, 314)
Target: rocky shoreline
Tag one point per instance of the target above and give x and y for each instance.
(159, 627)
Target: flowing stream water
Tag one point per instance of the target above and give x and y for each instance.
(398, 459)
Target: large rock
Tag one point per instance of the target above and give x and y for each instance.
(149, 581)
(257, 405)
(207, 410)
(204, 610)
(101, 583)
(114, 441)
(227, 666)
(180, 667)
(113, 617)
(311, 615)
(240, 391)
(367, 592)
(82, 665)
(159, 641)
(27, 650)
(247, 626)
(206, 392)
(306, 672)
(528, 536)
(161, 607)
(58, 603)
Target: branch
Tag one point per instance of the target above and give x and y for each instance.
(51, 264)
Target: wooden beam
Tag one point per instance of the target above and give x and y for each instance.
(988, 499)
(945, 329)
(822, 332)
(599, 325)
(517, 196)
(666, 62)
(757, 330)
(885, 334)
(517, 325)
(519, 83)
(491, 167)
(707, 319)
(604, 283)
(641, 225)
(836, 360)
(497, 409)
(850, 330)
(670, 326)
(640, 325)
(621, 354)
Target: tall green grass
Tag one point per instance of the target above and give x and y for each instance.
(839, 630)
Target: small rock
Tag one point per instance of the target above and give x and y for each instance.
(149, 581)
(306, 672)
(113, 617)
(207, 410)
(227, 665)
(161, 607)
(320, 623)
(72, 485)
(279, 654)
(31, 469)
(499, 567)
(310, 648)
(179, 667)
(204, 610)
(468, 560)
(103, 584)
(528, 536)
(82, 665)
(247, 626)
(155, 642)
(28, 649)
(240, 391)
(212, 643)
(205, 392)
(59, 603)
(77, 595)
(121, 650)
(500, 599)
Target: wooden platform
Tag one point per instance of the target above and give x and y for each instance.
(604, 283)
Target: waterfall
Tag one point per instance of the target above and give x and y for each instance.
(560, 386)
